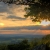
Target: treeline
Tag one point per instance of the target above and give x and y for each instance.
(26, 45)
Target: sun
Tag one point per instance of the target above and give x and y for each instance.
(45, 23)
(2, 24)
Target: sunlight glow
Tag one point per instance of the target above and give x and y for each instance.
(1, 24)
(45, 23)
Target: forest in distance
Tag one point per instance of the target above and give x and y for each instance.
(16, 38)
(36, 44)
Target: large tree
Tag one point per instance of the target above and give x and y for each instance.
(39, 11)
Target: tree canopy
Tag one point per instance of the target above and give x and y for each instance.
(38, 10)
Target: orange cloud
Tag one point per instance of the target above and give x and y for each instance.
(33, 32)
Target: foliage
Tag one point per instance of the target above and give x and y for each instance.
(39, 11)
(26, 45)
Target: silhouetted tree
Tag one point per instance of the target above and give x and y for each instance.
(24, 45)
(39, 11)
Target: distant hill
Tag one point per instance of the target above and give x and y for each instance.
(13, 38)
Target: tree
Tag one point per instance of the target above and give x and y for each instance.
(24, 45)
(39, 11)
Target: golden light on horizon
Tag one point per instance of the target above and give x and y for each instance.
(45, 23)
(2, 24)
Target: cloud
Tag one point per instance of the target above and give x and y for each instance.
(26, 32)
(15, 17)
(4, 8)
(37, 27)
(12, 11)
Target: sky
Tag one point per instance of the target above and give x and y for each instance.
(12, 21)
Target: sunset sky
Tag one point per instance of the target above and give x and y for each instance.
(12, 21)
